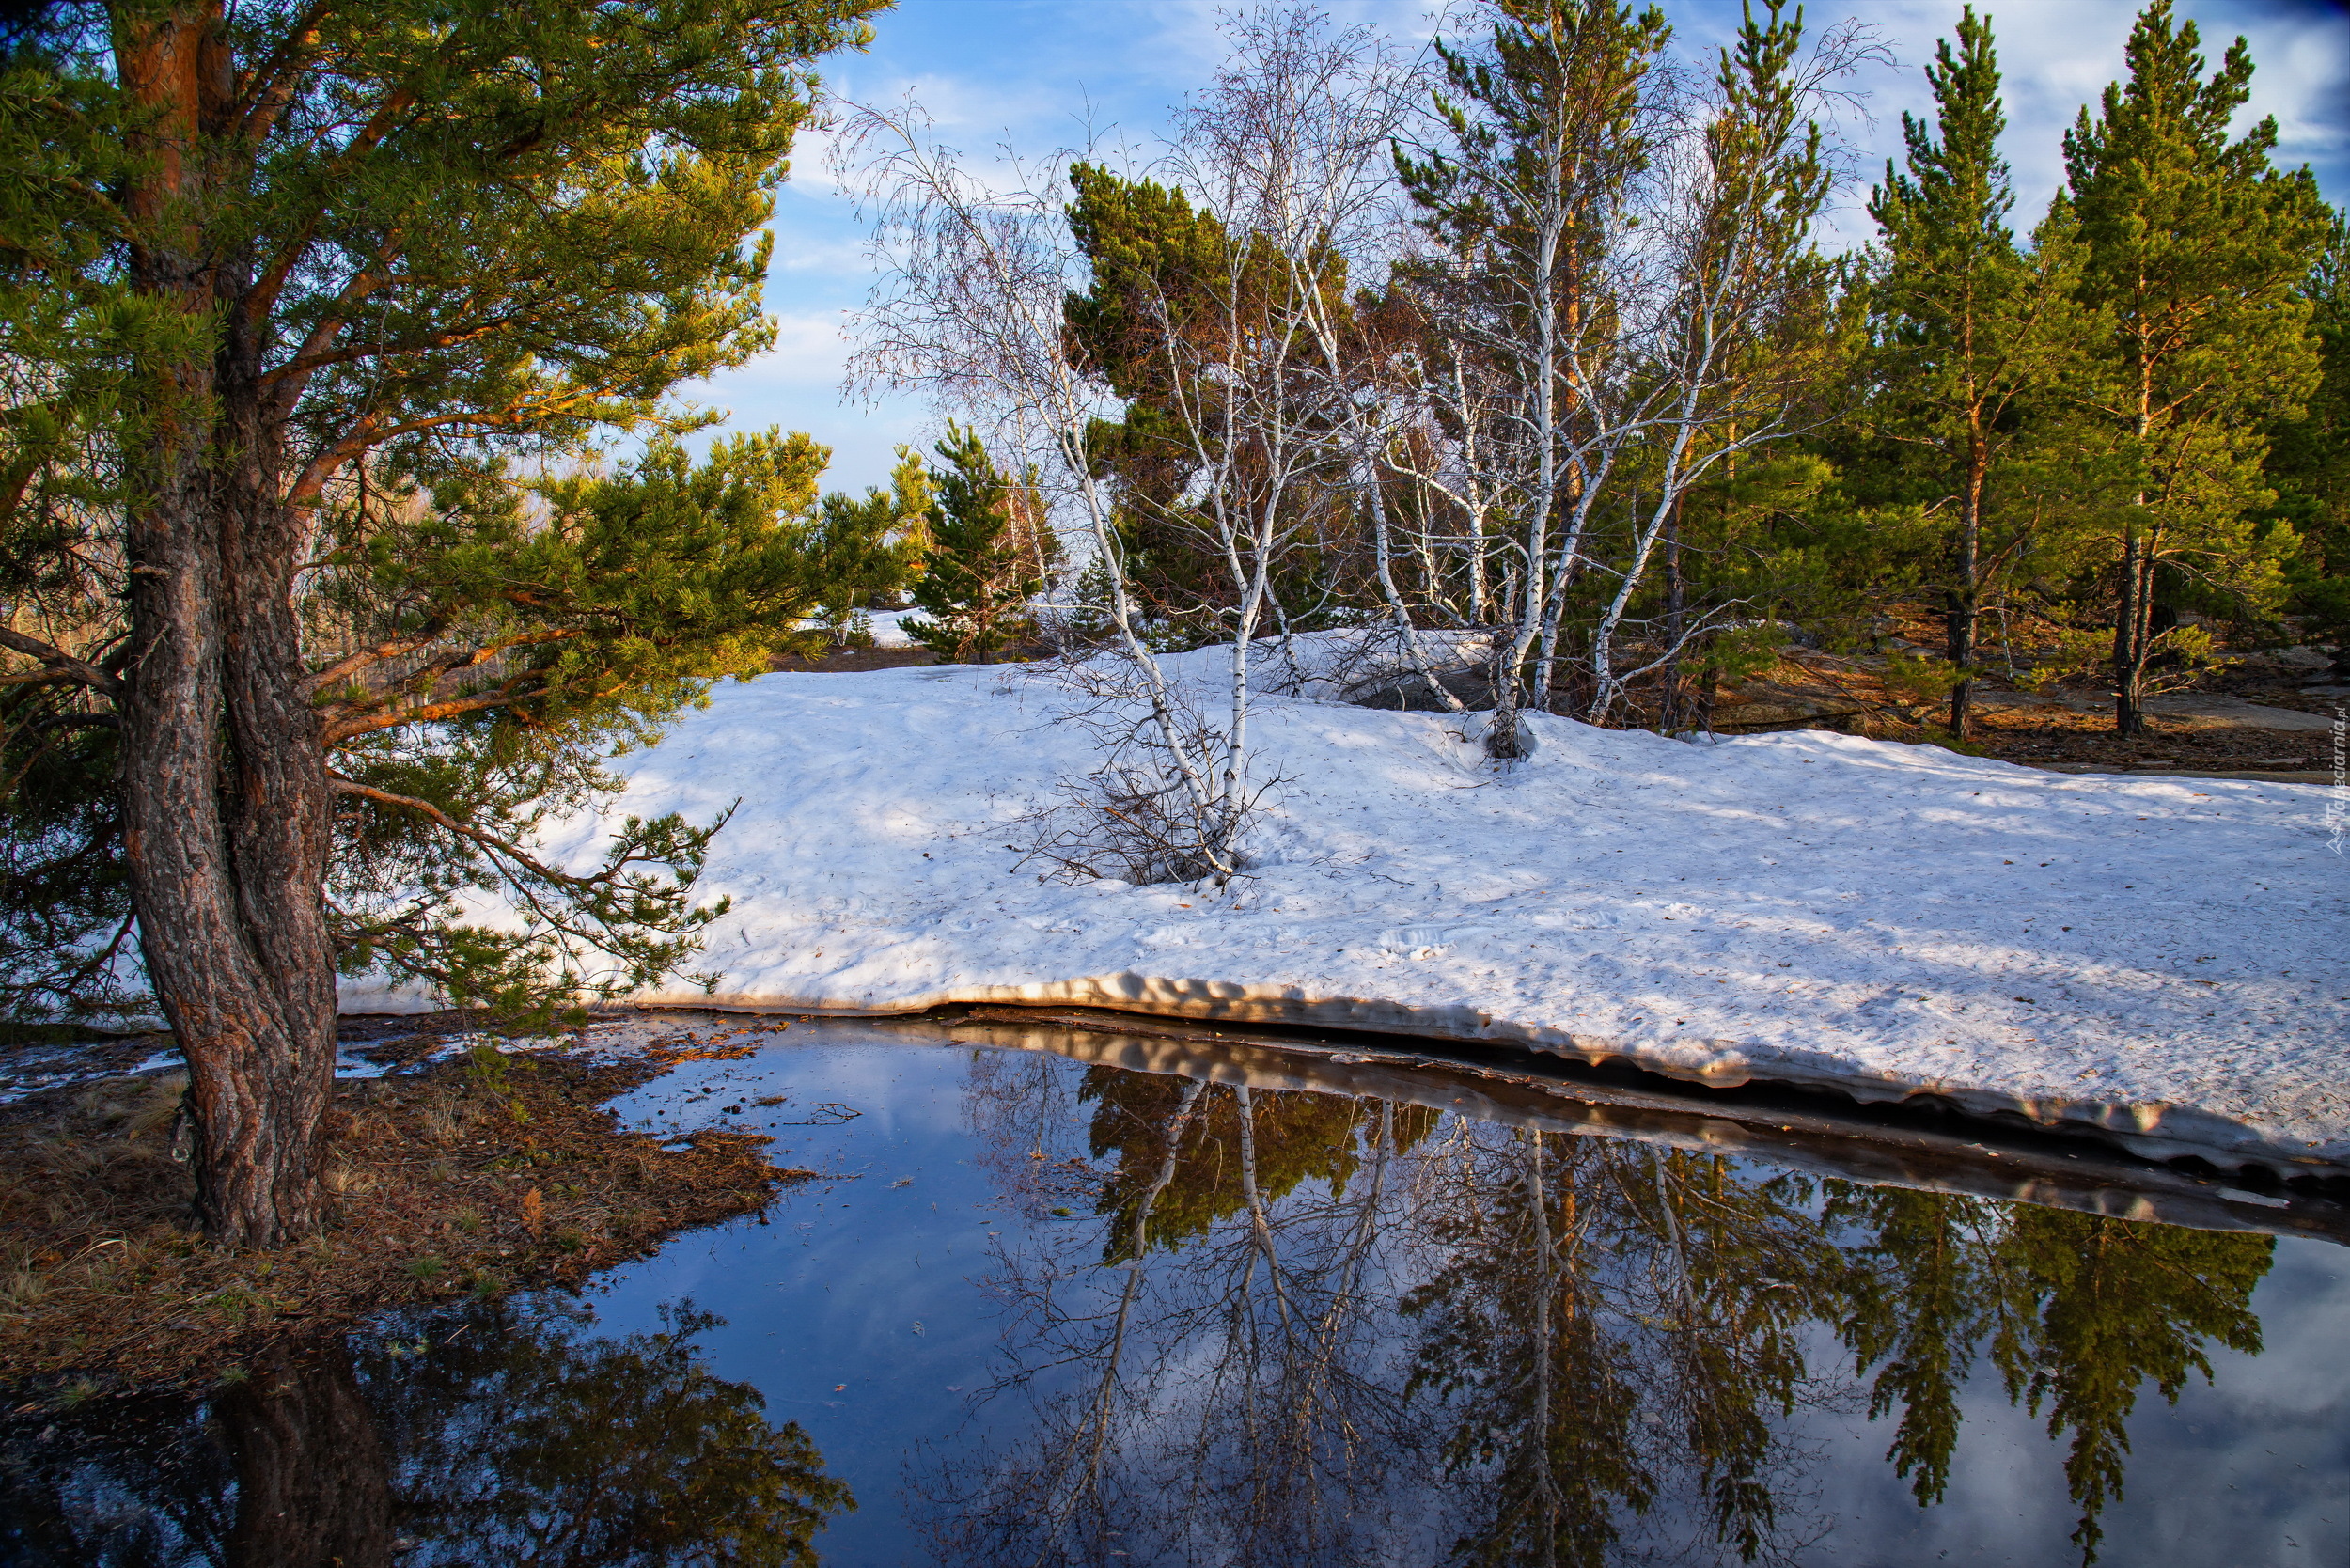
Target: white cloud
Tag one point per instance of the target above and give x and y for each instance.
(809, 353)
(799, 251)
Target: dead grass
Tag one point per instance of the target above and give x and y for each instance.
(482, 1174)
(733, 1046)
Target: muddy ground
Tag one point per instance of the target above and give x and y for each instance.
(483, 1171)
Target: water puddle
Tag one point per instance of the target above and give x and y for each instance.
(1204, 1305)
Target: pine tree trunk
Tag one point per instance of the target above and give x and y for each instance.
(223, 783)
(2129, 641)
(227, 846)
(1966, 597)
(313, 1479)
(2130, 617)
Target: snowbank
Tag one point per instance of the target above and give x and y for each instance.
(2163, 960)
(889, 628)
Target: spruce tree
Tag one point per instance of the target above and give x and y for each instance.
(2196, 252)
(1968, 324)
(976, 580)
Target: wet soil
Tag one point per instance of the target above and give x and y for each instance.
(481, 1173)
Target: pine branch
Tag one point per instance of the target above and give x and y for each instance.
(490, 841)
(64, 664)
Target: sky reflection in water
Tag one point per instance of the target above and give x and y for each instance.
(1046, 1311)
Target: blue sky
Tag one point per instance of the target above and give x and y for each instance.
(1036, 73)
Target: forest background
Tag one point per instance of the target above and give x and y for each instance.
(1041, 73)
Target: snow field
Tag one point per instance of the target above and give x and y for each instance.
(2163, 960)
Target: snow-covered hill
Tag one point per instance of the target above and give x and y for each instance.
(2167, 960)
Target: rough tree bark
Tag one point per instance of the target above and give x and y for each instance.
(2129, 634)
(1966, 597)
(2133, 609)
(225, 792)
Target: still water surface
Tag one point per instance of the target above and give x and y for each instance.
(1041, 1311)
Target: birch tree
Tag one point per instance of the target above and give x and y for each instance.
(1635, 260)
(968, 310)
(1186, 349)
(1531, 186)
(1293, 140)
(1740, 341)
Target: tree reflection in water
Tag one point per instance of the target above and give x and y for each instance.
(1245, 1325)
(489, 1436)
(1225, 1385)
(2075, 1311)
(1312, 1329)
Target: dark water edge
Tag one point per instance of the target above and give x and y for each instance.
(1203, 1309)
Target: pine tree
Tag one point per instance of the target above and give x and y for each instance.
(2309, 458)
(286, 290)
(2195, 251)
(1969, 325)
(1167, 280)
(975, 579)
(881, 540)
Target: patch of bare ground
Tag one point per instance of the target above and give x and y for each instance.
(2053, 735)
(2061, 727)
(484, 1173)
(849, 661)
(840, 661)
(2070, 723)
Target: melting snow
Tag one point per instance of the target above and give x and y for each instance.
(2163, 959)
